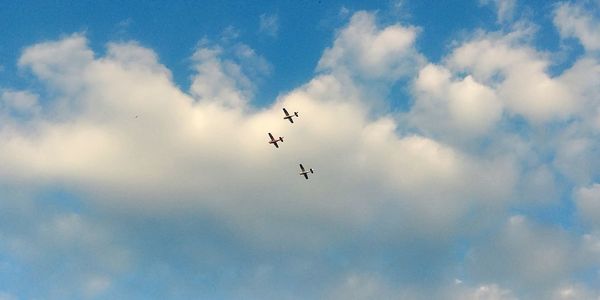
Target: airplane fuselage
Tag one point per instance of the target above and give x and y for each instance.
(274, 141)
(305, 173)
(290, 117)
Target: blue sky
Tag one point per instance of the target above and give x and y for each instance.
(306, 28)
(455, 145)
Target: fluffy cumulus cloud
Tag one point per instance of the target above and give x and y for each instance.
(226, 81)
(457, 105)
(364, 50)
(177, 191)
(518, 73)
(574, 20)
(160, 142)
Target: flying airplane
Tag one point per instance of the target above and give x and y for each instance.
(304, 172)
(275, 141)
(288, 116)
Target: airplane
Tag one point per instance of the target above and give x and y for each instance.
(275, 141)
(288, 116)
(304, 172)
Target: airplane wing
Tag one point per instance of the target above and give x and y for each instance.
(271, 136)
(301, 167)
(291, 120)
(286, 112)
(276, 146)
(305, 175)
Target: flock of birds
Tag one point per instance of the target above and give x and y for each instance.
(274, 141)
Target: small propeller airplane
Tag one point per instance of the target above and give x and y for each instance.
(275, 141)
(288, 116)
(304, 172)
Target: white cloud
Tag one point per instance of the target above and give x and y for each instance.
(582, 79)
(574, 292)
(540, 185)
(206, 157)
(220, 81)
(225, 81)
(191, 149)
(587, 200)
(96, 285)
(505, 9)
(68, 255)
(454, 106)
(518, 74)
(130, 144)
(23, 103)
(60, 62)
(482, 292)
(230, 33)
(529, 257)
(574, 20)
(269, 24)
(370, 286)
(369, 52)
(574, 157)
(362, 286)
(69, 233)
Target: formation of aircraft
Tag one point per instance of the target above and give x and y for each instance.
(274, 141)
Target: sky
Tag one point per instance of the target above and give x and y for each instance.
(455, 147)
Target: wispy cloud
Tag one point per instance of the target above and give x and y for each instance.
(269, 24)
(505, 9)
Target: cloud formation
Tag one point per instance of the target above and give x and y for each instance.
(182, 185)
(574, 20)
(364, 50)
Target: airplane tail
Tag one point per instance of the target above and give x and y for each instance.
(296, 113)
(281, 139)
(312, 171)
